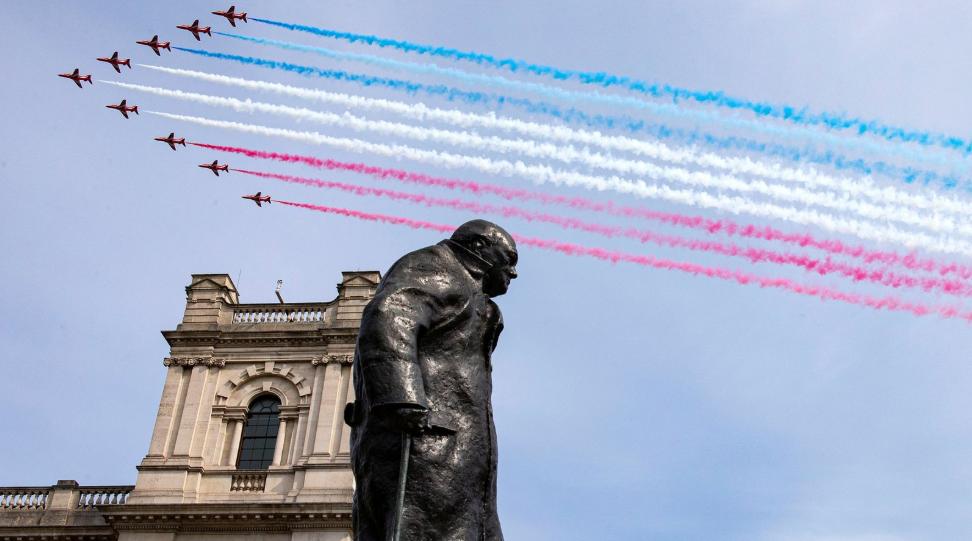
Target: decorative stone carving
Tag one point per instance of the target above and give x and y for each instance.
(327, 359)
(193, 361)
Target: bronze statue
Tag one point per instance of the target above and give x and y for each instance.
(423, 443)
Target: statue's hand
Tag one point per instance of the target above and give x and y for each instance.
(408, 419)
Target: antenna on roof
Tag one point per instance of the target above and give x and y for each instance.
(277, 291)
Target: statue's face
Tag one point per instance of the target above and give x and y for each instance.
(498, 278)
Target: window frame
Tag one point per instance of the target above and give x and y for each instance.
(258, 441)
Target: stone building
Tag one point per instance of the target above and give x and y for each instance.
(249, 441)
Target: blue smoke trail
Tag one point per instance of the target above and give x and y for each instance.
(553, 92)
(788, 113)
(596, 121)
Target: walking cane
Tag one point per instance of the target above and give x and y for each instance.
(402, 475)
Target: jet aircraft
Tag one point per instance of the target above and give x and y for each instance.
(124, 108)
(155, 44)
(215, 167)
(76, 77)
(115, 62)
(258, 199)
(195, 29)
(231, 15)
(172, 140)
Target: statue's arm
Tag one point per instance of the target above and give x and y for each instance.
(392, 325)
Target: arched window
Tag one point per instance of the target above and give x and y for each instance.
(260, 433)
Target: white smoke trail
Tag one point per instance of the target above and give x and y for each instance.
(854, 187)
(541, 175)
(699, 179)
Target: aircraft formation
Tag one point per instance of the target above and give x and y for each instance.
(157, 47)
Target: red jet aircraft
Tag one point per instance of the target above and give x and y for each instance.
(172, 141)
(195, 29)
(215, 167)
(231, 15)
(123, 108)
(258, 199)
(115, 62)
(155, 44)
(76, 77)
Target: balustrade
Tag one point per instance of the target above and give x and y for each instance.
(279, 313)
(103, 495)
(24, 497)
(248, 482)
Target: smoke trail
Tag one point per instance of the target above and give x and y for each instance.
(790, 113)
(742, 165)
(754, 255)
(553, 92)
(542, 174)
(532, 149)
(598, 121)
(711, 226)
(823, 293)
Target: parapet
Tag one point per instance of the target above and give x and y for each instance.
(212, 302)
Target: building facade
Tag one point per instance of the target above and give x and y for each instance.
(249, 441)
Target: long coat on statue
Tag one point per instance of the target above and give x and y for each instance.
(426, 340)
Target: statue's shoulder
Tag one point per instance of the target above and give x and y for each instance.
(433, 268)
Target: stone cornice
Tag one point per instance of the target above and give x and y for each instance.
(193, 361)
(231, 517)
(225, 336)
(58, 533)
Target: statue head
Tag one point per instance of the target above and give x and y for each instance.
(494, 246)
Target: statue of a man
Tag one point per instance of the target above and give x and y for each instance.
(423, 368)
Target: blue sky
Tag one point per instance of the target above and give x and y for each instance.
(630, 404)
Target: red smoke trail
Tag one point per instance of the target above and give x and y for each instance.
(823, 293)
(756, 255)
(727, 227)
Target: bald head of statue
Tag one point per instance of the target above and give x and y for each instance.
(496, 247)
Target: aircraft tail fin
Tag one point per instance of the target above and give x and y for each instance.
(167, 47)
(135, 109)
(209, 32)
(127, 62)
(244, 18)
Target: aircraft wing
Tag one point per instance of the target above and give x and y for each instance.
(124, 113)
(77, 82)
(171, 144)
(116, 67)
